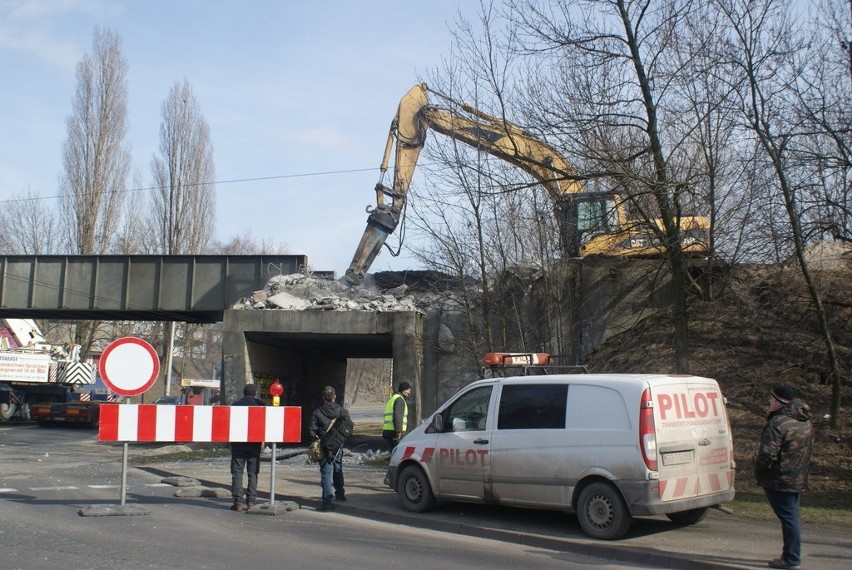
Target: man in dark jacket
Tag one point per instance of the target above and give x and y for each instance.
(245, 456)
(396, 416)
(782, 466)
(331, 464)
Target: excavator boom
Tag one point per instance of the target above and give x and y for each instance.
(589, 223)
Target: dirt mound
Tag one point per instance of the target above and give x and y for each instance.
(759, 330)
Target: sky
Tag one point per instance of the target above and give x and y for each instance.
(298, 96)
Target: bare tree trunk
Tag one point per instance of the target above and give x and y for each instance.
(662, 190)
(184, 173)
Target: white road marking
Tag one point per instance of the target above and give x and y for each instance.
(8, 490)
(53, 488)
(119, 486)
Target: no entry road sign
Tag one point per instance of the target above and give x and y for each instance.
(129, 366)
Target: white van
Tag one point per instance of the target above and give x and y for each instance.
(605, 446)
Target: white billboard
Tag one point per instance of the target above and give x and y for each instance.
(24, 367)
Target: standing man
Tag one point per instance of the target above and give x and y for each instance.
(396, 416)
(782, 466)
(245, 456)
(331, 464)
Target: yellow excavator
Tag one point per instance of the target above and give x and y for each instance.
(590, 223)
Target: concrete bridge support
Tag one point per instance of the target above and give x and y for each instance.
(307, 350)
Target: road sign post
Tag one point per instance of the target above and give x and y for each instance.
(128, 366)
(275, 390)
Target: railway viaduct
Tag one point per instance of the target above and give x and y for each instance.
(304, 349)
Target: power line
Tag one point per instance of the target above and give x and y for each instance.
(234, 181)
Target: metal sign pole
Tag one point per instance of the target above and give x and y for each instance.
(124, 473)
(275, 390)
(171, 353)
(272, 479)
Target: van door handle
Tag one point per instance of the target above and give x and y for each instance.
(704, 441)
(480, 441)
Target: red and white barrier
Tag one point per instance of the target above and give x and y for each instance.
(149, 422)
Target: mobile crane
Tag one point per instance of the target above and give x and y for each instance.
(590, 223)
(44, 382)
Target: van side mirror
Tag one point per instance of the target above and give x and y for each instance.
(436, 425)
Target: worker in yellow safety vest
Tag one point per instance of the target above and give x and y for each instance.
(396, 416)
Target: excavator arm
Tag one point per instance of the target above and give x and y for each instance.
(407, 136)
(602, 226)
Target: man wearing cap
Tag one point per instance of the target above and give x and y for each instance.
(331, 464)
(782, 466)
(245, 456)
(396, 416)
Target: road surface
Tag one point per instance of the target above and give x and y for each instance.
(48, 475)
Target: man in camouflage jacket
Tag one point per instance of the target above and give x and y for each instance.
(782, 466)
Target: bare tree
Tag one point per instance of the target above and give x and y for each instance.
(29, 226)
(601, 83)
(184, 195)
(132, 237)
(246, 244)
(481, 217)
(96, 156)
(762, 57)
(827, 108)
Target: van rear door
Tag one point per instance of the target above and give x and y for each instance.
(694, 445)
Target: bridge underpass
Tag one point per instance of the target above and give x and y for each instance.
(305, 350)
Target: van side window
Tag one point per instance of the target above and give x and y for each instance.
(532, 406)
(469, 412)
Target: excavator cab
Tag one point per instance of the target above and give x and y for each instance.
(586, 216)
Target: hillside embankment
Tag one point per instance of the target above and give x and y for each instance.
(760, 329)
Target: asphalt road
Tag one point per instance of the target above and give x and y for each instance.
(48, 475)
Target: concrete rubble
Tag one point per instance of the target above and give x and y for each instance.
(300, 292)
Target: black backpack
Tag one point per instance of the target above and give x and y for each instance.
(334, 438)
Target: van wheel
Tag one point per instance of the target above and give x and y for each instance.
(414, 490)
(602, 512)
(686, 518)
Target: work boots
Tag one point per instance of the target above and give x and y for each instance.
(249, 505)
(236, 506)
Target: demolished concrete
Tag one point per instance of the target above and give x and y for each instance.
(300, 292)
